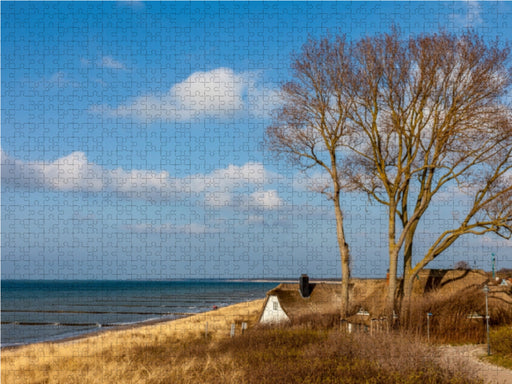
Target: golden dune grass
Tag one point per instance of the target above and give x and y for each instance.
(128, 355)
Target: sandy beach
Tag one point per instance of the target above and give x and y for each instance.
(105, 356)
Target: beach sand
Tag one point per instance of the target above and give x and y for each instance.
(97, 357)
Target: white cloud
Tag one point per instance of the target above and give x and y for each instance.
(220, 94)
(192, 228)
(266, 199)
(232, 176)
(109, 62)
(221, 188)
(218, 199)
(69, 173)
(58, 80)
(472, 17)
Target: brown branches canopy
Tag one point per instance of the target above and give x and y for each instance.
(312, 124)
(403, 120)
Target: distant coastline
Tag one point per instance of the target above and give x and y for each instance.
(199, 280)
(49, 310)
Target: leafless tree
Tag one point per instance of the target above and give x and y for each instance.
(429, 115)
(410, 119)
(462, 265)
(311, 125)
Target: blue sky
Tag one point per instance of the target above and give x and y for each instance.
(132, 140)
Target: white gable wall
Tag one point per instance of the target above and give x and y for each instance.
(273, 312)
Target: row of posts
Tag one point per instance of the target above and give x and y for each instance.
(377, 325)
(232, 332)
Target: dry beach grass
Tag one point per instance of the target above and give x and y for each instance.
(310, 349)
(178, 352)
(122, 356)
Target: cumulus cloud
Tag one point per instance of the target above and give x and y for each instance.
(69, 173)
(220, 188)
(109, 62)
(472, 17)
(220, 94)
(266, 199)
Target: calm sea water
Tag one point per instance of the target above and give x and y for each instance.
(35, 311)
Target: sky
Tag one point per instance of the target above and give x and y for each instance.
(132, 141)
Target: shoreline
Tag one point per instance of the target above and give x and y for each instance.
(103, 354)
(115, 329)
(97, 331)
(80, 316)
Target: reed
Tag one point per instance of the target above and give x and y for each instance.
(450, 321)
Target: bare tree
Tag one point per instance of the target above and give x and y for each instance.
(429, 116)
(462, 265)
(410, 119)
(310, 127)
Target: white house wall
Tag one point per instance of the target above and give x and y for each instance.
(273, 312)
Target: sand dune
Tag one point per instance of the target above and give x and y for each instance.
(96, 357)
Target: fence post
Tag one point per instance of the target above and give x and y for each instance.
(232, 330)
(428, 326)
(206, 330)
(486, 291)
(343, 325)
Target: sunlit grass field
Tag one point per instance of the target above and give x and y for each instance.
(312, 351)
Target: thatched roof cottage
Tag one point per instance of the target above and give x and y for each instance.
(290, 301)
(287, 301)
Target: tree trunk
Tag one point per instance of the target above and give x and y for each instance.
(406, 290)
(409, 276)
(345, 257)
(408, 254)
(393, 263)
(392, 284)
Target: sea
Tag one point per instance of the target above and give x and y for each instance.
(35, 311)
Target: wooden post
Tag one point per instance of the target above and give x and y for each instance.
(244, 327)
(343, 326)
(232, 330)
(486, 291)
(206, 330)
(428, 326)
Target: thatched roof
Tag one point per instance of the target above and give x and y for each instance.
(448, 279)
(370, 294)
(326, 297)
(500, 296)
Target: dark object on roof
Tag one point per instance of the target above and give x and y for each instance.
(304, 285)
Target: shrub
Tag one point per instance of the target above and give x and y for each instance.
(301, 355)
(449, 322)
(501, 340)
(462, 265)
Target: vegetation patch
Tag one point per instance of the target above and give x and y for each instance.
(501, 347)
(457, 316)
(303, 355)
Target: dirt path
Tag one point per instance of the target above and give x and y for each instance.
(469, 355)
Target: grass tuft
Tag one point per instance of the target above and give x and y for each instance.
(450, 322)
